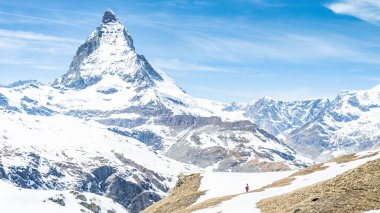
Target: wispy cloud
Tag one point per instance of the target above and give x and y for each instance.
(282, 46)
(367, 10)
(20, 42)
(19, 17)
(30, 17)
(32, 36)
(24, 48)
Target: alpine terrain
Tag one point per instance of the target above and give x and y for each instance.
(114, 126)
(320, 129)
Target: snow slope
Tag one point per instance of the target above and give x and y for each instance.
(67, 153)
(52, 135)
(247, 201)
(218, 184)
(19, 200)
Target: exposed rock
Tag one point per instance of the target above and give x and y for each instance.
(96, 182)
(59, 199)
(129, 194)
(91, 206)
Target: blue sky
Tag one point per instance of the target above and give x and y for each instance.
(226, 50)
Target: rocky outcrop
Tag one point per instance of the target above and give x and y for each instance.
(132, 196)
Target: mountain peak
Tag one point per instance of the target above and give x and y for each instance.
(109, 16)
(109, 50)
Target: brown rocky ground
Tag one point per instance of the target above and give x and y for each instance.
(184, 194)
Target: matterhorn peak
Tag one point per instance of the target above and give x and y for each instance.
(108, 51)
(109, 16)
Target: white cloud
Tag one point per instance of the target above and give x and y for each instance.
(22, 18)
(34, 50)
(367, 10)
(282, 46)
(31, 36)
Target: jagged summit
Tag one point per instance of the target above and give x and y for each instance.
(109, 16)
(109, 50)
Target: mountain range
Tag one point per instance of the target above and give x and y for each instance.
(115, 126)
(321, 128)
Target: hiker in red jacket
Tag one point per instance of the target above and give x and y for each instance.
(247, 188)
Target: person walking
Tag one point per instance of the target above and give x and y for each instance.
(247, 188)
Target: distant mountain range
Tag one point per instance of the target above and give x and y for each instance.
(115, 126)
(320, 128)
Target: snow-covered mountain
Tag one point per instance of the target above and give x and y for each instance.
(114, 126)
(67, 153)
(351, 123)
(110, 83)
(108, 64)
(278, 117)
(319, 128)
